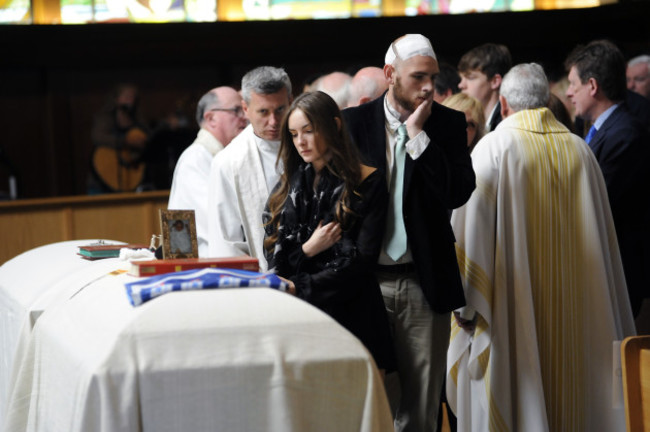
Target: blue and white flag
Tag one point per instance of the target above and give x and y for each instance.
(146, 289)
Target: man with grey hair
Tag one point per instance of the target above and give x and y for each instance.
(543, 278)
(220, 117)
(421, 148)
(638, 75)
(243, 174)
(367, 84)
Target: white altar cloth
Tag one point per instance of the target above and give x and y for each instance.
(249, 360)
(28, 283)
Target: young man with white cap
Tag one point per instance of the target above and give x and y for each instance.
(421, 147)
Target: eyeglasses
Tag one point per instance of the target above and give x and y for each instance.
(236, 110)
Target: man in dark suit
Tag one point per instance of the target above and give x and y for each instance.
(622, 147)
(421, 146)
(636, 105)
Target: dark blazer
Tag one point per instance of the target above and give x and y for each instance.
(496, 118)
(639, 107)
(441, 179)
(622, 147)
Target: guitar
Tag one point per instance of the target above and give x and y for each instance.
(120, 168)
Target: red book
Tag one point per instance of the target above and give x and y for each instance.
(155, 267)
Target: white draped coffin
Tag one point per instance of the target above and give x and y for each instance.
(251, 359)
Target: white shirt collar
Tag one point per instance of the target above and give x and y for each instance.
(209, 142)
(604, 116)
(265, 145)
(491, 116)
(392, 117)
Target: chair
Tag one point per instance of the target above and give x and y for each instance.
(635, 359)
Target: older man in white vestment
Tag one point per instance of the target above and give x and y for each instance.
(221, 118)
(243, 175)
(544, 283)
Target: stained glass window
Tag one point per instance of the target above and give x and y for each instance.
(152, 11)
(316, 9)
(15, 11)
(137, 11)
(425, 7)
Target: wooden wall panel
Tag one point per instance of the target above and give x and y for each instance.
(25, 229)
(131, 221)
(27, 224)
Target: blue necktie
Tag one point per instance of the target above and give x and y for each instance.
(396, 232)
(591, 133)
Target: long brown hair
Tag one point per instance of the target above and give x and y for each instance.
(345, 161)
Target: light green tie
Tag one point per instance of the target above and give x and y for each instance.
(396, 232)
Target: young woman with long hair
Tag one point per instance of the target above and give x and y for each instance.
(324, 222)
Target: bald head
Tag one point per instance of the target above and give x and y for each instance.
(368, 84)
(337, 86)
(219, 112)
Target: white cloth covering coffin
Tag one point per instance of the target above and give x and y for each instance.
(217, 360)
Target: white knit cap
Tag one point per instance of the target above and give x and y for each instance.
(409, 46)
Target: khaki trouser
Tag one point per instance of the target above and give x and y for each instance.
(421, 339)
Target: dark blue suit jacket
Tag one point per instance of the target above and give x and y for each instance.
(622, 147)
(442, 178)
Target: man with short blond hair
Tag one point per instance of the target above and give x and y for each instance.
(421, 147)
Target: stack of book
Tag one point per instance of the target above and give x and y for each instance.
(94, 252)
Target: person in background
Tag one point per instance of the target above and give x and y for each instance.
(474, 116)
(243, 174)
(119, 136)
(324, 222)
(420, 147)
(310, 81)
(481, 70)
(558, 89)
(221, 118)
(336, 85)
(543, 278)
(638, 75)
(621, 145)
(170, 135)
(367, 84)
(560, 111)
(475, 119)
(446, 83)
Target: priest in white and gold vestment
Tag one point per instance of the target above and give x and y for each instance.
(543, 279)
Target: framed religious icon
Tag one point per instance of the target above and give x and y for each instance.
(178, 228)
